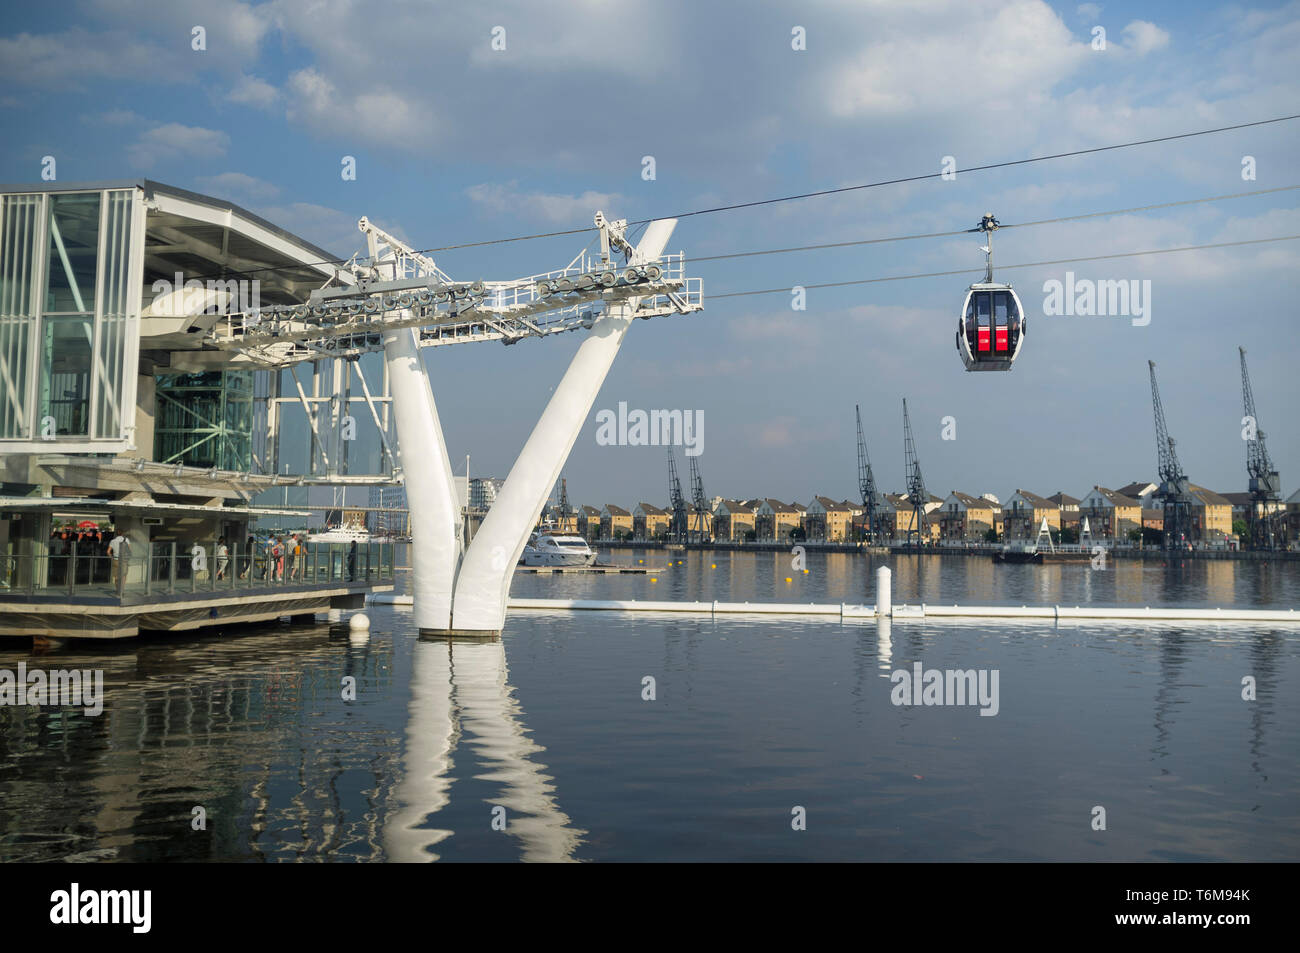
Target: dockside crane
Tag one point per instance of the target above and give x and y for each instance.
(866, 481)
(699, 501)
(916, 493)
(677, 501)
(1175, 489)
(1265, 482)
(565, 510)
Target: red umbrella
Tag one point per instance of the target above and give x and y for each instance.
(87, 524)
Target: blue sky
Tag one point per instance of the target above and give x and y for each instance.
(458, 142)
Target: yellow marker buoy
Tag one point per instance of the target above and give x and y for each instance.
(714, 566)
(805, 572)
(654, 579)
(788, 579)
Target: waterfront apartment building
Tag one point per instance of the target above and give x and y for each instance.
(1211, 515)
(1110, 514)
(588, 523)
(775, 521)
(733, 520)
(615, 522)
(650, 521)
(1023, 515)
(968, 518)
(1068, 509)
(828, 521)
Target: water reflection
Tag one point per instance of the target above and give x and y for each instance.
(460, 695)
(1172, 657)
(251, 729)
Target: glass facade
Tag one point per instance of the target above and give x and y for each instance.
(205, 419)
(64, 302)
(19, 229)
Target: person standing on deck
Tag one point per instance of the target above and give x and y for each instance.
(117, 548)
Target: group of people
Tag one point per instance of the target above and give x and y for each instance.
(96, 553)
(283, 558)
(99, 556)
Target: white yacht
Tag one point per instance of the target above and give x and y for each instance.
(346, 534)
(549, 549)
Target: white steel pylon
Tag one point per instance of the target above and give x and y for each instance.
(483, 583)
(461, 590)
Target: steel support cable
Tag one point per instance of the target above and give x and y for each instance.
(1029, 264)
(803, 195)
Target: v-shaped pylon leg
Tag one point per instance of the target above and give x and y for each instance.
(483, 583)
(430, 492)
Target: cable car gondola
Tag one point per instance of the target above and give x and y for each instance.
(991, 324)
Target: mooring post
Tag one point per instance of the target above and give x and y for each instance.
(884, 600)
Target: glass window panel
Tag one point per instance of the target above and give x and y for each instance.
(205, 419)
(112, 330)
(65, 373)
(19, 220)
(73, 253)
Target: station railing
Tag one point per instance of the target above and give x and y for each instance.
(175, 568)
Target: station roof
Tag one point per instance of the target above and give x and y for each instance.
(205, 237)
(54, 503)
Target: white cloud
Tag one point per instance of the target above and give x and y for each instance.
(251, 91)
(234, 29)
(239, 186)
(395, 119)
(68, 59)
(120, 117)
(1088, 11)
(974, 55)
(1144, 37)
(554, 208)
(175, 141)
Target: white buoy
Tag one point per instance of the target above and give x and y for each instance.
(884, 599)
(336, 615)
(359, 622)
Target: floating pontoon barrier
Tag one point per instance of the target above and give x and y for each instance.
(899, 611)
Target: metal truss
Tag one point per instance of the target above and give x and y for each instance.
(351, 319)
